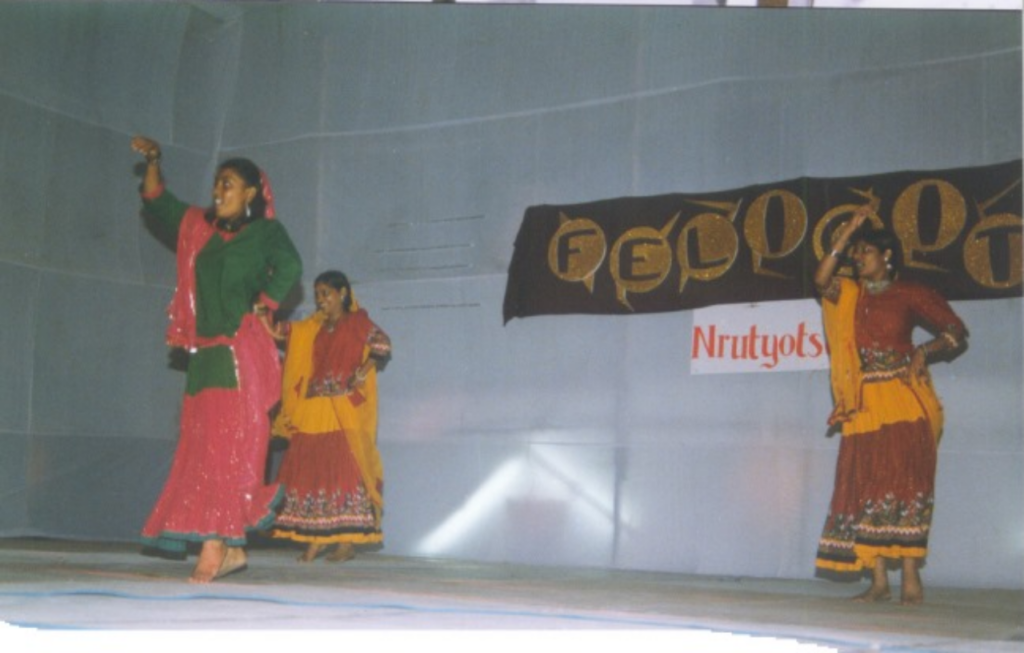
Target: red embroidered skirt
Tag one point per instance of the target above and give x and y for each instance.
(325, 499)
(884, 490)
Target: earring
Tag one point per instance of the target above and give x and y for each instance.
(248, 211)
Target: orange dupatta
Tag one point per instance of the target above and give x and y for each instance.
(839, 320)
(846, 376)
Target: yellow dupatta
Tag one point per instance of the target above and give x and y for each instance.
(846, 376)
(922, 387)
(839, 320)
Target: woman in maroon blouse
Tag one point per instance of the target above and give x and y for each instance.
(891, 418)
(331, 472)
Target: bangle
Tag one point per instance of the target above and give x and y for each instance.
(153, 158)
(835, 253)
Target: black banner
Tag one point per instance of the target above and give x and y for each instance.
(960, 231)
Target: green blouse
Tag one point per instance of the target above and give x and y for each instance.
(230, 274)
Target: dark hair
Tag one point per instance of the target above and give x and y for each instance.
(253, 177)
(882, 239)
(337, 280)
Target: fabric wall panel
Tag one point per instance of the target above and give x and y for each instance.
(404, 144)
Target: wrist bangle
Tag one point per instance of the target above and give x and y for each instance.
(835, 253)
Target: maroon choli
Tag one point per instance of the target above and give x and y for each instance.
(886, 320)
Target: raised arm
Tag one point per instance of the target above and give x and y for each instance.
(159, 204)
(150, 149)
(827, 267)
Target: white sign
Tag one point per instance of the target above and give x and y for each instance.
(784, 336)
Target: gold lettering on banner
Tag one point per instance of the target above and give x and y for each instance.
(707, 245)
(1003, 230)
(755, 228)
(577, 250)
(715, 241)
(641, 259)
(906, 220)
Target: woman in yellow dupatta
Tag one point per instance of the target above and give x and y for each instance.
(331, 471)
(891, 418)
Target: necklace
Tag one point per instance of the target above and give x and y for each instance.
(330, 323)
(230, 226)
(875, 287)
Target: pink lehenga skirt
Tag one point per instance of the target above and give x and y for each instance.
(216, 488)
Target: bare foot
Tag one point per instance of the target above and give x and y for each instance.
(878, 592)
(911, 589)
(211, 557)
(908, 597)
(235, 560)
(311, 553)
(344, 551)
(874, 595)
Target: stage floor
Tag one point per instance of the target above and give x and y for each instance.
(50, 588)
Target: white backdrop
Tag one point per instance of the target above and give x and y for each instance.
(404, 143)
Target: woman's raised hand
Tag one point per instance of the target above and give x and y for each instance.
(150, 149)
(847, 229)
(147, 147)
(828, 264)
